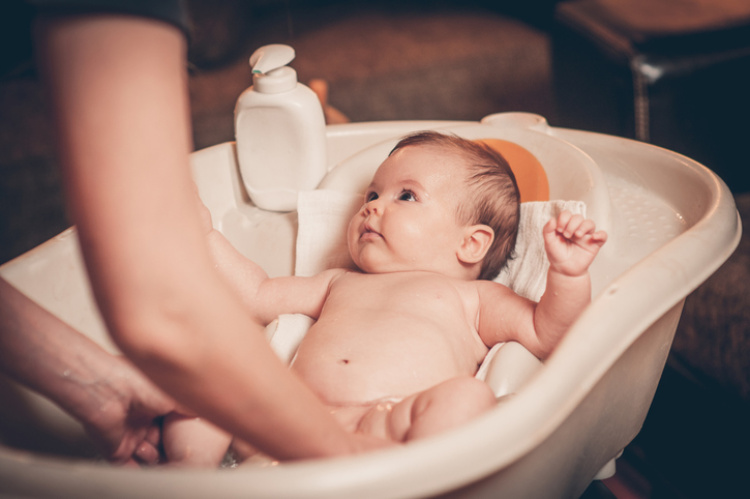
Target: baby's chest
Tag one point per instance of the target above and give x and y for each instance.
(413, 294)
(410, 316)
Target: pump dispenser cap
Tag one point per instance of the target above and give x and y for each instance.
(271, 74)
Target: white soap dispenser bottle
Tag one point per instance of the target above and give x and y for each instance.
(280, 132)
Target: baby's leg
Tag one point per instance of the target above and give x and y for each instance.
(440, 408)
(193, 441)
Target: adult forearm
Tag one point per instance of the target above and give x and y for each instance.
(120, 100)
(43, 353)
(252, 394)
(215, 360)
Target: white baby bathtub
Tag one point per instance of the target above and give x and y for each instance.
(671, 222)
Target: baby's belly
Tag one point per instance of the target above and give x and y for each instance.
(382, 360)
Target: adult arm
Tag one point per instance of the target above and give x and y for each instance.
(119, 93)
(117, 405)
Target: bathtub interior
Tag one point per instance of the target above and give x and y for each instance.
(656, 206)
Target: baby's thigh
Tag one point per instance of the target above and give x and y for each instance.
(387, 419)
(432, 411)
(447, 405)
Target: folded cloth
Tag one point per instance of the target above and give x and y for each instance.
(323, 217)
(286, 333)
(526, 273)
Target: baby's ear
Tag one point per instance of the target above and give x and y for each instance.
(476, 242)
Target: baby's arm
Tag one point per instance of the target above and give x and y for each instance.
(571, 243)
(265, 297)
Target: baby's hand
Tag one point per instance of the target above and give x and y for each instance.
(572, 242)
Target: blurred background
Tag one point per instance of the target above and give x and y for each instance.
(671, 72)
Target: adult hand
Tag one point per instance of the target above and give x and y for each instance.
(119, 407)
(127, 424)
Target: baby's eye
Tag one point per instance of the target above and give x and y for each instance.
(407, 196)
(371, 196)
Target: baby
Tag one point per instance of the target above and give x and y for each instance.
(396, 343)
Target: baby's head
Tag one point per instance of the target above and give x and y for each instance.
(493, 198)
(440, 203)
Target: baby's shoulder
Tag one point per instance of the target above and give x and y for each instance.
(492, 291)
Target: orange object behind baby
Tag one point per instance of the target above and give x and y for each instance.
(530, 175)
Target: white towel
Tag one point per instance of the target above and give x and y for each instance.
(526, 273)
(323, 217)
(286, 333)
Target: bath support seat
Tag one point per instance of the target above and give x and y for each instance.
(671, 222)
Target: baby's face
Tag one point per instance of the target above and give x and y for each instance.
(409, 219)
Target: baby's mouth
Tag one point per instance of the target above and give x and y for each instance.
(370, 233)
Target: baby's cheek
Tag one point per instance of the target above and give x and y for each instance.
(413, 232)
(352, 238)
(352, 233)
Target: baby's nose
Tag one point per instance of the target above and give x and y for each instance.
(373, 206)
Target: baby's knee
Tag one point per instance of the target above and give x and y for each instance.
(448, 405)
(464, 396)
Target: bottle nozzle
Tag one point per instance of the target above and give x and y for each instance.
(270, 57)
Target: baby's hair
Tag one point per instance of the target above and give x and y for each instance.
(495, 201)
